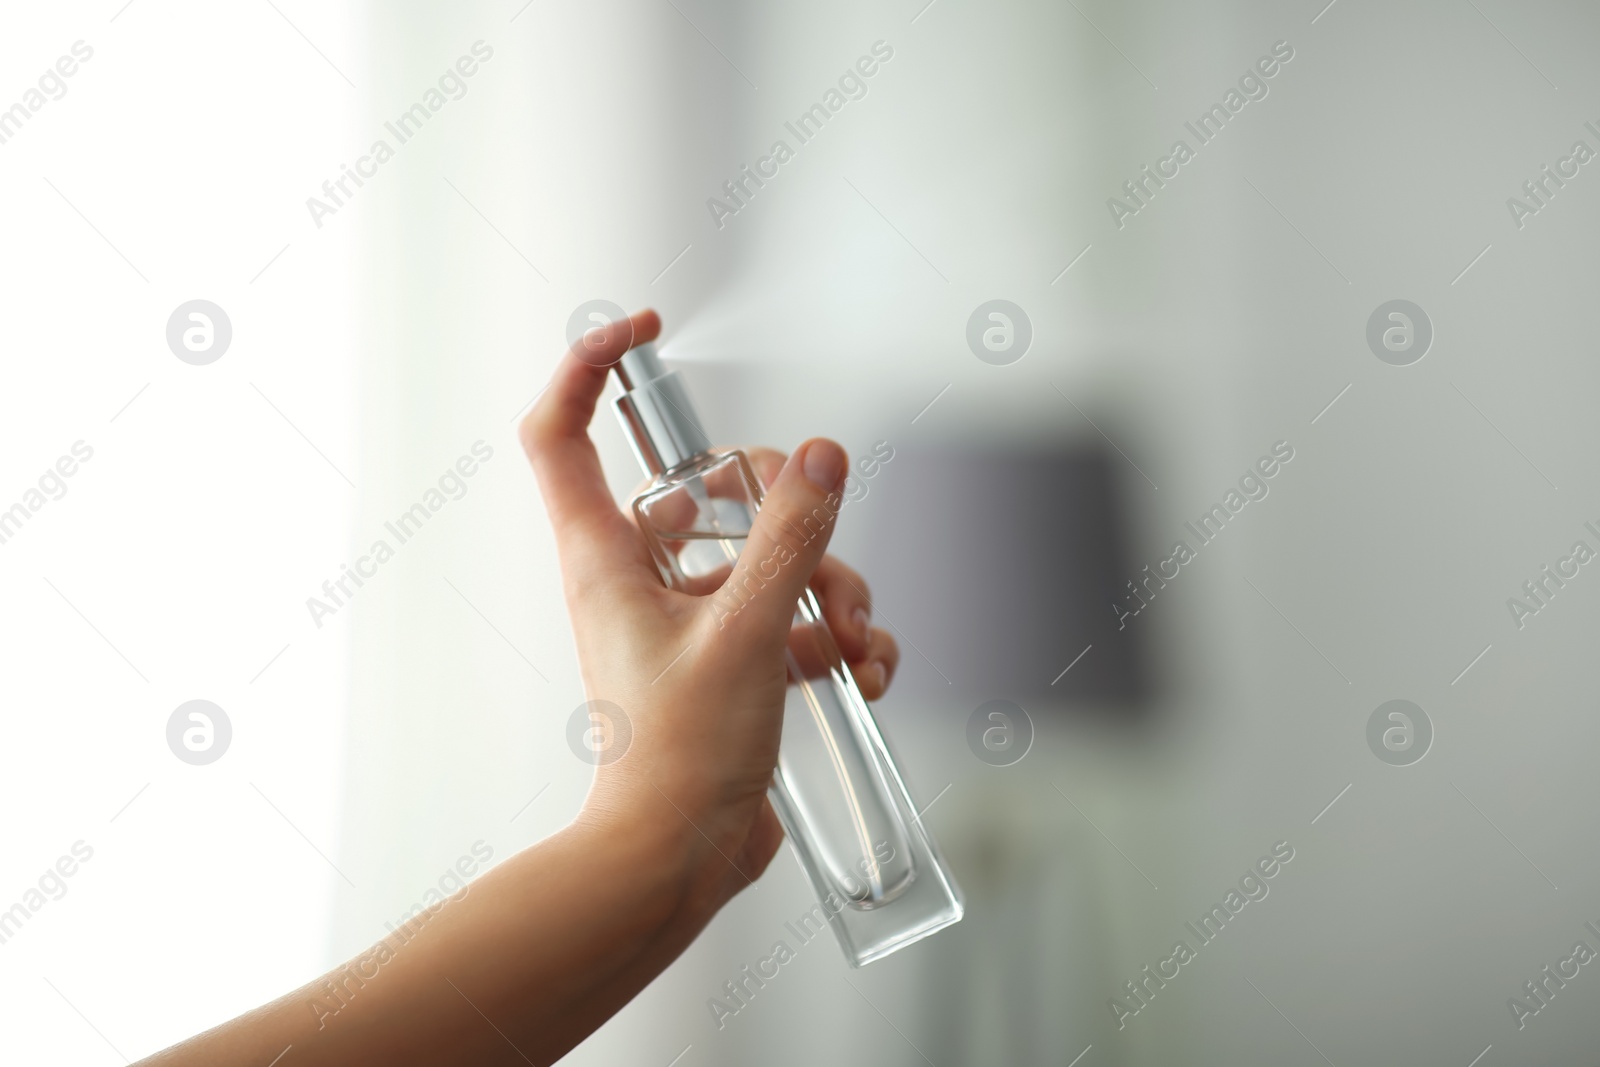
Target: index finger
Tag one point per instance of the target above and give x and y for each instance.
(555, 435)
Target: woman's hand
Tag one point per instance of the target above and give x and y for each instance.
(702, 695)
(543, 948)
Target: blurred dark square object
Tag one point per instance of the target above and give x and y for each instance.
(998, 568)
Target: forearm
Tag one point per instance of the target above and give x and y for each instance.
(533, 957)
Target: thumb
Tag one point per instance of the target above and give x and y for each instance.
(787, 541)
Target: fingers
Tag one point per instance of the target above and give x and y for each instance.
(846, 599)
(786, 543)
(555, 435)
(846, 605)
(768, 463)
(812, 654)
(875, 670)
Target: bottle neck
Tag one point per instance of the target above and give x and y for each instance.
(662, 425)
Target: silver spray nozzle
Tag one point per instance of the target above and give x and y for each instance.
(639, 365)
(656, 412)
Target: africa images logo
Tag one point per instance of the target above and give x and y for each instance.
(1253, 887)
(741, 188)
(1142, 188)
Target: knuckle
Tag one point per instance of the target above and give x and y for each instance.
(536, 431)
(528, 432)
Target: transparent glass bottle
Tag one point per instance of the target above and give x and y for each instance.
(876, 871)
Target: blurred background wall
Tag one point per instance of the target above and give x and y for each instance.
(1181, 347)
(1169, 354)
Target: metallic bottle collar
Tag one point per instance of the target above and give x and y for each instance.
(656, 412)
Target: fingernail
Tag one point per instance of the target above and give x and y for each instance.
(824, 464)
(880, 672)
(861, 620)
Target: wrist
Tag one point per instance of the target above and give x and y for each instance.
(679, 876)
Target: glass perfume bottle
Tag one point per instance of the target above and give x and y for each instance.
(875, 869)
